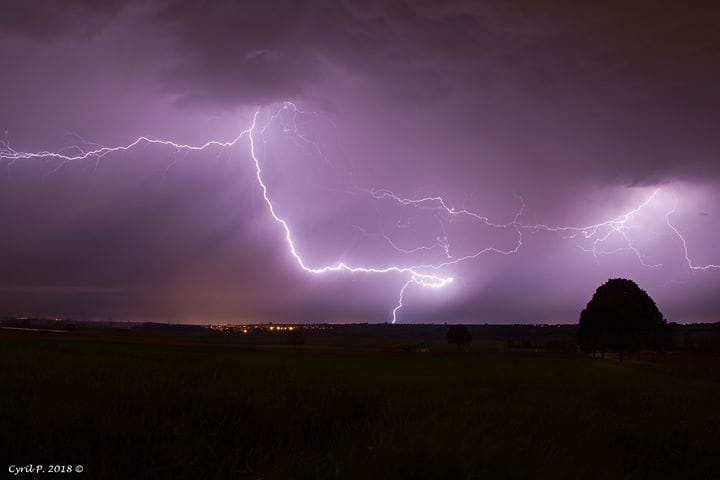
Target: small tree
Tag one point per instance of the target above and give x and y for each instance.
(458, 335)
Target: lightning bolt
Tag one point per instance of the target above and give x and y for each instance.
(597, 233)
(439, 243)
(439, 203)
(684, 242)
(421, 275)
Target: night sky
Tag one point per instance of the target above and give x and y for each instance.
(581, 113)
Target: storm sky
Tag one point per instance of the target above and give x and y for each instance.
(579, 112)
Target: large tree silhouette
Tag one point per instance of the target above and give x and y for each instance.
(621, 316)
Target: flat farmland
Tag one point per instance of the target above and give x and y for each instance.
(204, 405)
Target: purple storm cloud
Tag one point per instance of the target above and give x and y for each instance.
(490, 163)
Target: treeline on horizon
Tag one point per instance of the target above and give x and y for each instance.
(697, 337)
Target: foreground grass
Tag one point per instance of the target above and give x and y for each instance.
(159, 410)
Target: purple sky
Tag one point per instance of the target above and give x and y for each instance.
(583, 111)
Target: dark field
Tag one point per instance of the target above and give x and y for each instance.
(193, 405)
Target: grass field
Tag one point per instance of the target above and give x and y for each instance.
(130, 405)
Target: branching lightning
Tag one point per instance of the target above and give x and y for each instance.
(415, 276)
(423, 274)
(684, 242)
(601, 232)
(413, 273)
(598, 233)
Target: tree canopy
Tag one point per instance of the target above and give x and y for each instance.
(458, 335)
(621, 316)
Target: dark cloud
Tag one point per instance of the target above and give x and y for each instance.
(636, 80)
(47, 19)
